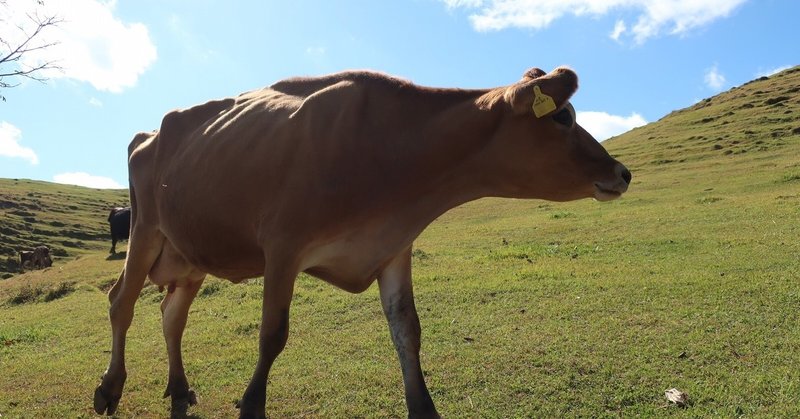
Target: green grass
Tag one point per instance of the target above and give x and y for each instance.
(70, 220)
(528, 308)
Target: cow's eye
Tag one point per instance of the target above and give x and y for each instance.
(563, 117)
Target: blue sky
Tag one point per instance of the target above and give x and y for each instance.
(128, 62)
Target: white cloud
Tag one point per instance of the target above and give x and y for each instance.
(85, 179)
(96, 102)
(9, 144)
(604, 126)
(776, 70)
(656, 17)
(619, 29)
(93, 45)
(714, 79)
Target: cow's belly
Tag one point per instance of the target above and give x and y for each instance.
(345, 268)
(215, 247)
(355, 261)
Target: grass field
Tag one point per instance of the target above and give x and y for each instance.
(528, 308)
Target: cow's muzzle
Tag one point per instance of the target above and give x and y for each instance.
(613, 189)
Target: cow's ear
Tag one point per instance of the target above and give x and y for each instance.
(532, 74)
(544, 94)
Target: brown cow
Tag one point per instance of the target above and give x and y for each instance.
(38, 258)
(333, 176)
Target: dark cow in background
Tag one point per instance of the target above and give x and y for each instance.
(120, 221)
(38, 258)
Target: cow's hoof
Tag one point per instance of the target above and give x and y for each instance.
(253, 415)
(180, 405)
(103, 403)
(246, 413)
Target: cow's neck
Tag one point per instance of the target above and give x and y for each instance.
(454, 136)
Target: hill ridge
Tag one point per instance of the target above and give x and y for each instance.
(757, 116)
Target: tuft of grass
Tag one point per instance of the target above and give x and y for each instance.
(708, 199)
(27, 335)
(561, 214)
(26, 294)
(40, 293)
(247, 329)
(59, 291)
(420, 254)
(212, 287)
(790, 177)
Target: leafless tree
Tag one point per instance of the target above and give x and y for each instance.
(13, 48)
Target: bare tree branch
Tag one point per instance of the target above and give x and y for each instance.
(11, 52)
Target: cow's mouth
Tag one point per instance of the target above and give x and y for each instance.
(605, 194)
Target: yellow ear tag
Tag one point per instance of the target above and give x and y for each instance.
(542, 104)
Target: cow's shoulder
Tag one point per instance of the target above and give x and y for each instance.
(179, 123)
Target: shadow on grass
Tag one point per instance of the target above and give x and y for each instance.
(182, 414)
(179, 410)
(117, 256)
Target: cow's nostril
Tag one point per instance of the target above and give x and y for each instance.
(626, 174)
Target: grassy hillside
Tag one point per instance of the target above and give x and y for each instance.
(528, 308)
(70, 220)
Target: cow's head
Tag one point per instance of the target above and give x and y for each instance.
(538, 148)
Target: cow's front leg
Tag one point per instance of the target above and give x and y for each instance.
(397, 298)
(274, 332)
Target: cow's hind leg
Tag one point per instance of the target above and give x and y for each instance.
(278, 289)
(397, 299)
(145, 246)
(175, 311)
(182, 281)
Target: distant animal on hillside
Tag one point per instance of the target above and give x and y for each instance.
(119, 220)
(335, 176)
(25, 259)
(38, 258)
